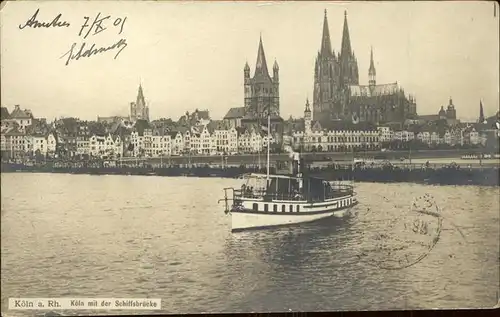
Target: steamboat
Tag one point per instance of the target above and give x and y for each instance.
(287, 197)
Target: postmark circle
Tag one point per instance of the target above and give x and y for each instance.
(406, 239)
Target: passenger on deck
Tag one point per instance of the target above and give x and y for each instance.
(327, 190)
(250, 191)
(296, 194)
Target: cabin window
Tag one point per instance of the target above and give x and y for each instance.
(266, 207)
(275, 208)
(283, 208)
(298, 208)
(291, 208)
(255, 206)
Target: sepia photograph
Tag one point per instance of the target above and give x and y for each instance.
(249, 156)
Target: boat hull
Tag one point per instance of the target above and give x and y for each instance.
(251, 216)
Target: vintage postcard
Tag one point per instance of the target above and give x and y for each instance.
(234, 157)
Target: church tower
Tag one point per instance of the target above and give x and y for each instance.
(139, 110)
(262, 90)
(348, 64)
(481, 112)
(326, 77)
(307, 118)
(247, 83)
(372, 74)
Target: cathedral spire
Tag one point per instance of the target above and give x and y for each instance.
(326, 46)
(140, 95)
(372, 65)
(481, 112)
(261, 65)
(372, 73)
(346, 41)
(348, 64)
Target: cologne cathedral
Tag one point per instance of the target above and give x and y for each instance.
(338, 96)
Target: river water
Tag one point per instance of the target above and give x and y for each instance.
(158, 237)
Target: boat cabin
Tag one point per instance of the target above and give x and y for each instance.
(290, 188)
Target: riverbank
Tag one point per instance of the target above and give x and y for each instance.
(318, 156)
(446, 175)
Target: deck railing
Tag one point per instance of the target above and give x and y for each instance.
(336, 190)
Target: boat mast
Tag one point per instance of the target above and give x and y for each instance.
(260, 149)
(268, 143)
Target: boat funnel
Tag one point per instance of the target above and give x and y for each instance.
(298, 164)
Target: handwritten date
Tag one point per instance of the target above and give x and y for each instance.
(99, 26)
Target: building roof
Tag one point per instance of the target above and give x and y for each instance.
(201, 114)
(235, 113)
(261, 64)
(184, 129)
(14, 132)
(4, 114)
(292, 125)
(38, 135)
(249, 117)
(141, 125)
(17, 113)
(194, 118)
(241, 130)
(429, 117)
(371, 91)
(346, 126)
(172, 134)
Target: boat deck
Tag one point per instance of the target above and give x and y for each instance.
(333, 192)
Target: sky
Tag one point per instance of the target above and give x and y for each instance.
(191, 55)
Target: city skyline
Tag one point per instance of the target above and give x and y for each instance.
(203, 68)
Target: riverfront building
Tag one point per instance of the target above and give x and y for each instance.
(336, 136)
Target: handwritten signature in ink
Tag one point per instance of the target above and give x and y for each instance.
(84, 51)
(34, 23)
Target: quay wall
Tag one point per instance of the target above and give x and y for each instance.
(486, 175)
(256, 158)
